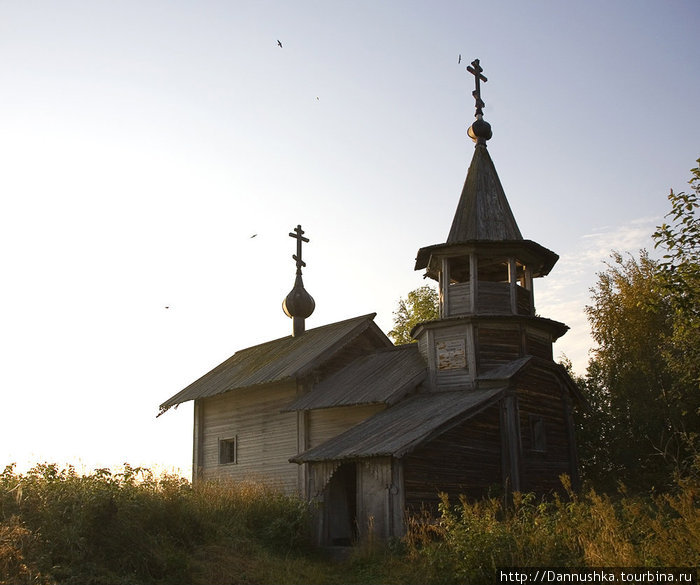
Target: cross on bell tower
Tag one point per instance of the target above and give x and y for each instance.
(298, 304)
(475, 69)
(480, 130)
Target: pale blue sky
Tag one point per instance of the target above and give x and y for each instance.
(142, 143)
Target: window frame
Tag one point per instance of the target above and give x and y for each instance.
(228, 450)
(538, 436)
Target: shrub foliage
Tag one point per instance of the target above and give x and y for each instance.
(130, 527)
(57, 526)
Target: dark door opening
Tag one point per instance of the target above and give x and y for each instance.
(342, 506)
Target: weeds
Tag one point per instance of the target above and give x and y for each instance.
(131, 527)
(471, 539)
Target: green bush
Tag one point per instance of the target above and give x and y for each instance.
(131, 527)
(470, 540)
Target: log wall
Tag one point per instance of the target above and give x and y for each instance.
(540, 397)
(497, 345)
(464, 460)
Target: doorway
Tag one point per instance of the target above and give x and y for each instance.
(341, 511)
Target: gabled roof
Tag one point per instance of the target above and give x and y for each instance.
(402, 427)
(384, 376)
(483, 212)
(286, 358)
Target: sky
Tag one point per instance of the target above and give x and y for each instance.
(143, 144)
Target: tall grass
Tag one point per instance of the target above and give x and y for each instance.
(470, 540)
(132, 527)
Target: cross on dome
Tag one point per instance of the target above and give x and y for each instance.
(298, 235)
(475, 69)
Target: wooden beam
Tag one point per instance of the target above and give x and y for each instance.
(530, 289)
(473, 282)
(197, 442)
(445, 288)
(510, 443)
(513, 281)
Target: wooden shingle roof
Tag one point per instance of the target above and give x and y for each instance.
(402, 427)
(483, 212)
(384, 376)
(274, 361)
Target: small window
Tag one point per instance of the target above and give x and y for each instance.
(228, 450)
(538, 434)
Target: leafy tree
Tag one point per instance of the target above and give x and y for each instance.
(421, 304)
(680, 280)
(643, 378)
(630, 425)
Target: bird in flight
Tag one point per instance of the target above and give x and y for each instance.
(279, 43)
(251, 237)
(460, 59)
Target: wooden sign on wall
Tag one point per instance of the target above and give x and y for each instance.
(451, 354)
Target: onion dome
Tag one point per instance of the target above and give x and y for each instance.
(298, 304)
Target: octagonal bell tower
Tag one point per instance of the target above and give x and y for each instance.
(485, 272)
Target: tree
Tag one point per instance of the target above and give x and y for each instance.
(420, 305)
(643, 380)
(680, 279)
(628, 426)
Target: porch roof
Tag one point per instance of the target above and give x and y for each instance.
(402, 427)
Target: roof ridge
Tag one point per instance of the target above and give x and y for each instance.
(368, 316)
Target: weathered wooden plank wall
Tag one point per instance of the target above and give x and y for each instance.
(464, 460)
(326, 423)
(267, 438)
(538, 344)
(540, 396)
(497, 345)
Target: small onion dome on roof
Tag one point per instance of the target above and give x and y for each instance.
(298, 303)
(480, 131)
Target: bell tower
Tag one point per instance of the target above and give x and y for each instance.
(485, 272)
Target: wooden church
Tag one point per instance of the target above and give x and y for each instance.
(367, 430)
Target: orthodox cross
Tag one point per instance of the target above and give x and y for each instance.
(475, 69)
(298, 235)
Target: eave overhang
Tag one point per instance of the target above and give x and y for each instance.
(536, 257)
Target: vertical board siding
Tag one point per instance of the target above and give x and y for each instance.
(464, 460)
(326, 423)
(267, 438)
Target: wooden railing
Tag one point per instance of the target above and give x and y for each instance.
(492, 298)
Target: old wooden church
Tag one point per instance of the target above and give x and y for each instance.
(368, 430)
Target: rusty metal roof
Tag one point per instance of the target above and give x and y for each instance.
(274, 361)
(384, 376)
(402, 427)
